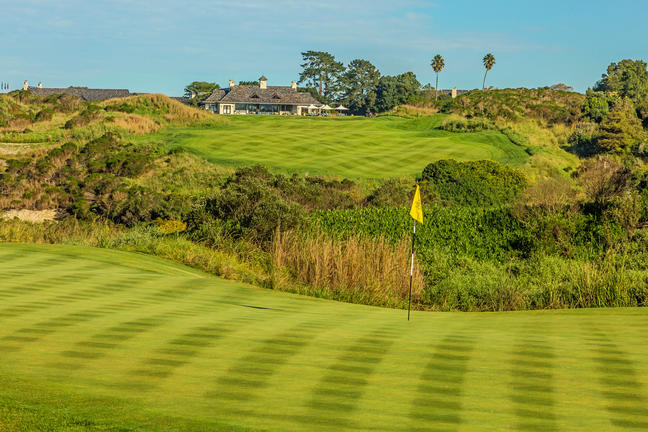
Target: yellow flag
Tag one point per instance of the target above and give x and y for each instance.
(417, 209)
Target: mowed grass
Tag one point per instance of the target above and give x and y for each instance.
(351, 147)
(94, 339)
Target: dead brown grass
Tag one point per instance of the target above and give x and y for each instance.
(362, 270)
(157, 104)
(34, 216)
(136, 124)
(414, 110)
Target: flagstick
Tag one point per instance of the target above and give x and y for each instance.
(409, 303)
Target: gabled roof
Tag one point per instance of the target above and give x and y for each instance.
(284, 95)
(216, 96)
(84, 94)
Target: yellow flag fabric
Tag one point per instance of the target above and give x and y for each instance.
(417, 209)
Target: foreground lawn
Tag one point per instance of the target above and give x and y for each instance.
(93, 339)
(348, 147)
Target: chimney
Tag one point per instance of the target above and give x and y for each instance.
(454, 92)
(25, 85)
(293, 84)
(263, 82)
(40, 85)
(231, 83)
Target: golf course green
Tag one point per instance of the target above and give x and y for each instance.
(352, 147)
(101, 340)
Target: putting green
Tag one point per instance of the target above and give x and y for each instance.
(94, 339)
(355, 147)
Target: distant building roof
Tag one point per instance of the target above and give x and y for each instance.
(284, 95)
(84, 94)
(182, 99)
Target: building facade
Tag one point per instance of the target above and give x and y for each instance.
(264, 99)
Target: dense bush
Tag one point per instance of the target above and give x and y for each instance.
(478, 183)
(254, 202)
(252, 208)
(393, 192)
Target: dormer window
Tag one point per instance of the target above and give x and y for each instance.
(254, 96)
(276, 96)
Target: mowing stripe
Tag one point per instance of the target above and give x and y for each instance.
(625, 394)
(439, 402)
(338, 393)
(532, 390)
(249, 375)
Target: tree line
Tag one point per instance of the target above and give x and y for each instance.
(359, 85)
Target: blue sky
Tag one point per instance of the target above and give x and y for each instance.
(161, 45)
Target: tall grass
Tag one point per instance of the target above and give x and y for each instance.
(357, 269)
(136, 124)
(162, 107)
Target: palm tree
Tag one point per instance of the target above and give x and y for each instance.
(489, 62)
(437, 64)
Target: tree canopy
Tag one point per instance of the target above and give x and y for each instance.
(202, 89)
(628, 78)
(489, 62)
(396, 90)
(621, 130)
(321, 70)
(361, 81)
(437, 65)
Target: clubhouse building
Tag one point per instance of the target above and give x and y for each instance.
(261, 99)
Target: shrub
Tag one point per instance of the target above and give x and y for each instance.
(252, 206)
(394, 192)
(84, 118)
(478, 183)
(44, 115)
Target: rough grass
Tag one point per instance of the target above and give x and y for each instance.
(358, 270)
(381, 147)
(105, 340)
(159, 106)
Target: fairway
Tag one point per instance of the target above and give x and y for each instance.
(93, 339)
(352, 147)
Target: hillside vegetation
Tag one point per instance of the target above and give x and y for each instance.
(532, 227)
(546, 105)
